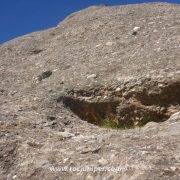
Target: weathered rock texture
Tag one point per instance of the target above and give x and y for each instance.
(101, 89)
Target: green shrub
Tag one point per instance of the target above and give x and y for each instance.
(113, 123)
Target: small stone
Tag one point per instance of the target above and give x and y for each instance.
(89, 177)
(136, 28)
(98, 45)
(54, 70)
(65, 160)
(155, 30)
(118, 89)
(66, 134)
(13, 93)
(14, 177)
(173, 168)
(103, 161)
(105, 97)
(98, 97)
(20, 109)
(91, 76)
(160, 85)
(109, 43)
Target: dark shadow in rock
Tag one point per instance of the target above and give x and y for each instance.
(94, 113)
(36, 51)
(148, 103)
(44, 75)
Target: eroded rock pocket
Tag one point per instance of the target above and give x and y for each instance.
(127, 112)
(95, 112)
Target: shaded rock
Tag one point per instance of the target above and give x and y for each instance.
(51, 118)
(34, 144)
(44, 75)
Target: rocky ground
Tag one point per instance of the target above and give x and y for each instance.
(96, 97)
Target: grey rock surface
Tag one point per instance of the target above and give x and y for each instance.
(117, 64)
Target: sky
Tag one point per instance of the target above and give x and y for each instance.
(19, 17)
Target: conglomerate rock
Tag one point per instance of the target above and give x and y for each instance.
(96, 97)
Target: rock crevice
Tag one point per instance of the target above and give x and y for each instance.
(127, 108)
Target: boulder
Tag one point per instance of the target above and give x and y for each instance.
(87, 99)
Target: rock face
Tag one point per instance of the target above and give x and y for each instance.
(97, 97)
